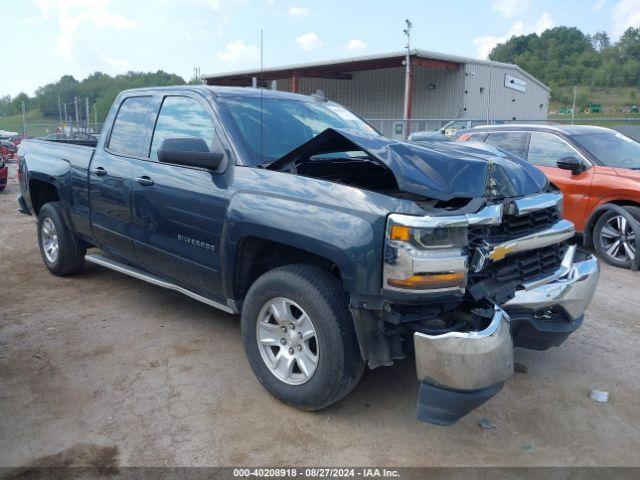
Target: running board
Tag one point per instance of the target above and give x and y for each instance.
(150, 278)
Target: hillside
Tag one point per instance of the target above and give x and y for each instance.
(38, 124)
(565, 56)
(612, 99)
(99, 88)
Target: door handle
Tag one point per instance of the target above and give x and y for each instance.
(99, 171)
(144, 181)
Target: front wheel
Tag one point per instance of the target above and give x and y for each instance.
(299, 336)
(614, 238)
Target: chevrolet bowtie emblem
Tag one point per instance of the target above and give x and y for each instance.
(499, 252)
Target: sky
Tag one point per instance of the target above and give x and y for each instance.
(41, 40)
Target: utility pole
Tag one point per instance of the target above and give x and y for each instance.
(407, 79)
(66, 116)
(59, 111)
(489, 93)
(75, 106)
(24, 120)
(573, 108)
(86, 107)
(95, 113)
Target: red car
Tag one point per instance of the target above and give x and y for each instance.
(4, 173)
(16, 140)
(8, 150)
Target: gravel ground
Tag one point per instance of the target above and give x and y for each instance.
(102, 367)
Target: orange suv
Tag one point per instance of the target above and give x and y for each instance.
(593, 166)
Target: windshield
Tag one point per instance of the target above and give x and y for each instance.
(286, 123)
(612, 149)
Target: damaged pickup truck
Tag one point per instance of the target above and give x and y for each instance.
(340, 248)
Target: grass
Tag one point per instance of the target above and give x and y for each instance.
(37, 124)
(611, 98)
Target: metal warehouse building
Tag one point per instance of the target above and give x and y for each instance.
(441, 87)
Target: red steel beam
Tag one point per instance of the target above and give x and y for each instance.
(430, 63)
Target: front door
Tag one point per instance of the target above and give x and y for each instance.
(545, 149)
(179, 210)
(110, 178)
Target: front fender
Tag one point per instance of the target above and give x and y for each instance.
(352, 240)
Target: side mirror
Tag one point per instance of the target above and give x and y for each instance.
(190, 151)
(571, 163)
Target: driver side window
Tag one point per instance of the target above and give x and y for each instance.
(546, 149)
(182, 117)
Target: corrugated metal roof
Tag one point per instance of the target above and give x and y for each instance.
(368, 58)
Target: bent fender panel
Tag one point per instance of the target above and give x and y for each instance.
(353, 243)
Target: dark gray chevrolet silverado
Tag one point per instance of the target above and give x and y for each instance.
(340, 248)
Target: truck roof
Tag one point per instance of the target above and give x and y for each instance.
(220, 91)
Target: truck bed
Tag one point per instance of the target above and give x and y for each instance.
(76, 153)
(62, 163)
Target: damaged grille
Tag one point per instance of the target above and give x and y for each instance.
(500, 278)
(523, 267)
(513, 227)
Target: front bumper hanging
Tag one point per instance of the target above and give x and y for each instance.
(459, 371)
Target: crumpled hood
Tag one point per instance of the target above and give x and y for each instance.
(438, 170)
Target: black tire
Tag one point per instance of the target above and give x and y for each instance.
(599, 242)
(340, 365)
(70, 257)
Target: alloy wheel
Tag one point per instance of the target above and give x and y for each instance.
(287, 341)
(618, 239)
(50, 240)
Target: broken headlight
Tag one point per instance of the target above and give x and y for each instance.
(426, 258)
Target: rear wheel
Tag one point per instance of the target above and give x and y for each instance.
(614, 238)
(299, 336)
(61, 251)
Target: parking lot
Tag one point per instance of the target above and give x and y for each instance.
(103, 368)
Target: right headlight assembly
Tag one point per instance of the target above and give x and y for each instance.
(431, 257)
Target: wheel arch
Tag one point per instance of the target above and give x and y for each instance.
(41, 191)
(601, 209)
(256, 255)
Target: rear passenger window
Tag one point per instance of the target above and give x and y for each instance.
(128, 130)
(182, 117)
(512, 142)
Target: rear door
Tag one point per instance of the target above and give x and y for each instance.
(179, 210)
(544, 151)
(110, 177)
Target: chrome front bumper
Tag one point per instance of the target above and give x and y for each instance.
(572, 292)
(459, 371)
(466, 360)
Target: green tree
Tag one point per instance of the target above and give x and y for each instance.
(565, 56)
(600, 41)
